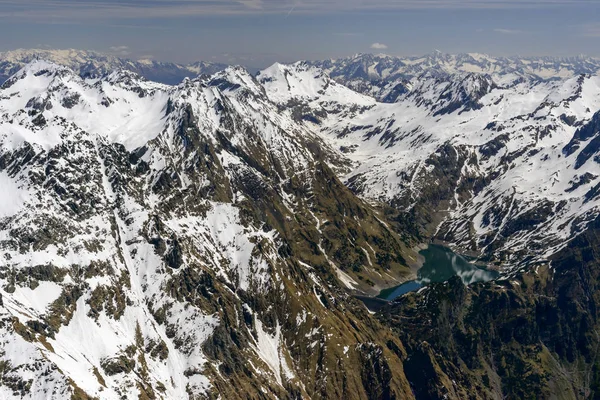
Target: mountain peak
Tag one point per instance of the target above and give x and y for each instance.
(234, 77)
(38, 68)
(123, 75)
(42, 66)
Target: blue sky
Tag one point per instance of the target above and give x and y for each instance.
(259, 32)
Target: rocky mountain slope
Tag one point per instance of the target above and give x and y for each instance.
(533, 336)
(507, 160)
(182, 241)
(503, 166)
(94, 64)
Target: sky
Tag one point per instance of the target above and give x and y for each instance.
(257, 33)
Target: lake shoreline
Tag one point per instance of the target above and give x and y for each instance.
(438, 263)
(415, 265)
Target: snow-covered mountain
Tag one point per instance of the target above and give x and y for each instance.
(95, 64)
(505, 164)
(386, 77)
(181, 241)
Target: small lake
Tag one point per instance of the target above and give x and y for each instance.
(440, 265)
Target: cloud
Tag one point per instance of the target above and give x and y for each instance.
(508, 31)
(379, 46)
(120, 50)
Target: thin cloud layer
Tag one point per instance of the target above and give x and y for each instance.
(508, 31)
(132, 9)
(120, 50)
(379, 46)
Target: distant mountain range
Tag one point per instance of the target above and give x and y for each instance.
(385, 77)
(95, 64)
(381, 76)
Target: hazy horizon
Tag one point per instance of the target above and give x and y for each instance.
(259, 67)
(257, 33)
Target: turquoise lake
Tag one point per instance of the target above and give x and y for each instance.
(440, 265)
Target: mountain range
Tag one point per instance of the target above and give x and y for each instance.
(386, 77)
(212, 238)
(94, 64)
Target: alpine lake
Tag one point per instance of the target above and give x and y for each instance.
(440, 265)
